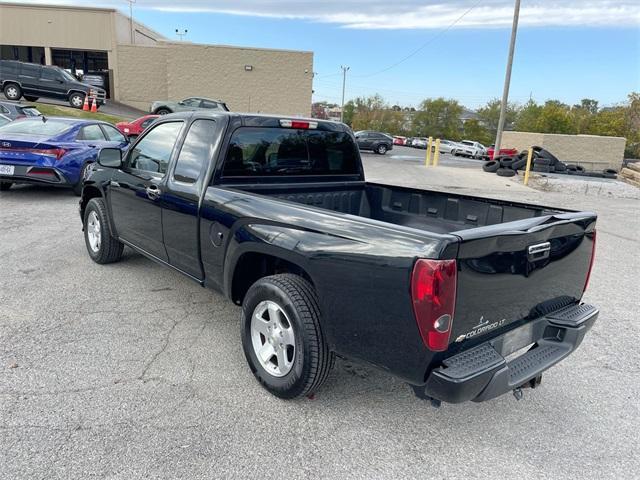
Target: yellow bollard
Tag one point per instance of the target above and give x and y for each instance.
(436, 153)
(526, 172)
(428, 157)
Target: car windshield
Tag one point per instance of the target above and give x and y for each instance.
(35, 127)
(4, 120)
(466, 142)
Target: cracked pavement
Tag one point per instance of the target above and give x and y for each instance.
(132, 371)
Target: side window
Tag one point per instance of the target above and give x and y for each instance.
(112, 134)
(195, 152)
(91, 132)
(50, 74)
(153, 152)
(191, 102)
(29, 70)
(209, 104)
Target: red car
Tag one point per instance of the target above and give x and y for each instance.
(399, 140)
(503, 151)
(135, 128)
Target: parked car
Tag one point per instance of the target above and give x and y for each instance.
(14, 110)
(377, 142)
(4, 120)
(419, 142)
(277, 214)
(53, 151)
(468, 148)
(137, 126)
(447, 146)
(399, 140)
(31, 80)
(163, 107)
(503, 151)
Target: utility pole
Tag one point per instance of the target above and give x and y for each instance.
(181, 34)
(507, 80)
(131, 2)
(344, 81)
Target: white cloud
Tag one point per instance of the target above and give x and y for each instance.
(410, 14)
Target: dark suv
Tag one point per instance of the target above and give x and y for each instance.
(31, 80)
(378, 142)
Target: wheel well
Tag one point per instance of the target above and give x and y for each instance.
(162, 108)
(88, 193)
(72, 92)
(252, 266)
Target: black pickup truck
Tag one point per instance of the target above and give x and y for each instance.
(464, 298)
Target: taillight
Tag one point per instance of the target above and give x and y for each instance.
(56, 153)
(433, 291)
(593, 256)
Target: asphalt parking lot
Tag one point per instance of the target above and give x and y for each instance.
(132, 371)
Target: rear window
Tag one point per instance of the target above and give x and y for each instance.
(464, 142)
(35, 127)
(258, 152)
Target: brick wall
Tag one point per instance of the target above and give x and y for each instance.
(592, 152)
(279, 82)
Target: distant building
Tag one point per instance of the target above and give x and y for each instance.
(137, 65)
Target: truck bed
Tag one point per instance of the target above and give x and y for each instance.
(434, 211)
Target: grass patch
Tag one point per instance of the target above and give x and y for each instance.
(59, 111)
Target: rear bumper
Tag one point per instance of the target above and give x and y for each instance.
(24, 174)
(482, 373)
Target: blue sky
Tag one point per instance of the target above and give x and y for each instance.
(465, 63)
(565, 50)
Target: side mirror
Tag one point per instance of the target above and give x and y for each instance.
(110, 157)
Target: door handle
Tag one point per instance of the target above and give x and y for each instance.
(153, 192)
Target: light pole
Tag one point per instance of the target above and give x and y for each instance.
(181, 34)
(131, 2)
(507, 80)
(344, 81)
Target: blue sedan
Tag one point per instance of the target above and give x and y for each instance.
(53, 151)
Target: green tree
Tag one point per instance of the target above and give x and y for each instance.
(438, 117)
(474, 130)
(528, 117)
(348, 112)
(554, 117)
(489, 115)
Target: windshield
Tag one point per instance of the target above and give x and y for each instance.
(255, 151)
(34, 127)
(466, 142)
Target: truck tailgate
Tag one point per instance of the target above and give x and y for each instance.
(511, 273)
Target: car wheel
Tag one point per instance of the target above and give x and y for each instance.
(12, 91)
(163, 111)
(381, 149)
(4, 186)
(454, 153)
(76, 100)
(31, 99)
(505, 172)
(282, 336)
(102, 247)
(491, 166)
(506, 162)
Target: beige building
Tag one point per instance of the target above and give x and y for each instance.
(591, 151)
(138, 65)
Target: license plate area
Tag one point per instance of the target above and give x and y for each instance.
(515, 340)
(7, 169)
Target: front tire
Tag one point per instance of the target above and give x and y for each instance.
(101, 246)
(282, 337)
(381, 149)
(12, 91)
(76, 100)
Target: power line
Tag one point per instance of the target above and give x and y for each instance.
(424, 45)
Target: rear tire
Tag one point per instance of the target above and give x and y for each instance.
(4, 186)
(381, 149)
(102, 247)
(12, 91)
(306, 359)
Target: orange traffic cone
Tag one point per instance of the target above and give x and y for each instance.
(85, 105)
(94, 105)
